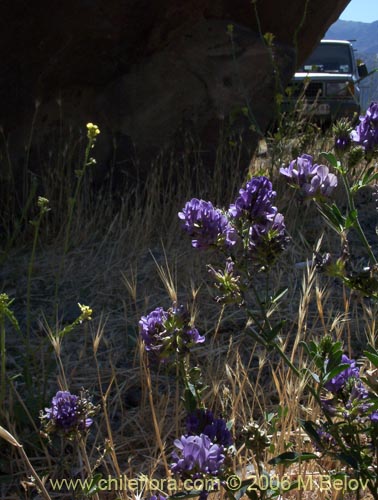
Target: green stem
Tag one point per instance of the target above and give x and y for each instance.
(84, 456)
(299, 375)
(72, 204)
(357, 224)
(287, 361)
(76, 194)
(267, 345)
(30, 272)
(185, 375)
(261, 305)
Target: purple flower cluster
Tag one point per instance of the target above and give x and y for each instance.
(202, 421)
(197, 456)
(366, 132)
(338, 382)
(252, 220)
(351, 397)
(255, 201)
(261, 226)
(165, 333)
(312, 179)
(207, 225)
(152, 330)
(68, 413)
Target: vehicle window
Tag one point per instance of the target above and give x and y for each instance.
(329, 58)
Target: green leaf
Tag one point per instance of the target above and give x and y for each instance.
(281, 292)
(370, 176)
(310, 428)
(273, 332)
(313, 375)
(291, 457)
(337, 349)
(372, 355)
(331, 158)
(333, 216)
(190, 399)
(6, 312)
(333, 161)
(311, 348)
(13, 320)
(282, 411)
(93, 486)
(293, 486)
(351, 219)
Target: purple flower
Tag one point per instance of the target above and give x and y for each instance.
(374, 416)
(342, 130)
(192, 336)
(68, 413)
(230, 266)
(197, 420)
(338, 382)
(153, 331)
(357, 397)
(351, 397)
(328, 406)
(260, 226)
(372, 113)
(322, 183)
(203, 422)
(255, 201)
(313, 179)
(300, 170)
(207, 225)
(327, 441)
(267, 241)
(197, 456)
(165, 333)
(366, 132)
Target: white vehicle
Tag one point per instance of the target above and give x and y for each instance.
(328, 82)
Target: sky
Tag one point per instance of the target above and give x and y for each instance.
(365, 11)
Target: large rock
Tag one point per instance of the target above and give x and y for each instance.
(146, 69)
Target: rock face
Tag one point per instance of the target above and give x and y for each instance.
(145, 69)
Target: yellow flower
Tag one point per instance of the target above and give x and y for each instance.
(93, 131)
(86, 312)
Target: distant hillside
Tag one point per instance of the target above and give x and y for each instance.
(366, 45)
(365, 34)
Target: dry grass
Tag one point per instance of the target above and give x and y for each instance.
(124, 262)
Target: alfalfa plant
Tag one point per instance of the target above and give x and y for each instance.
(249, 237)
